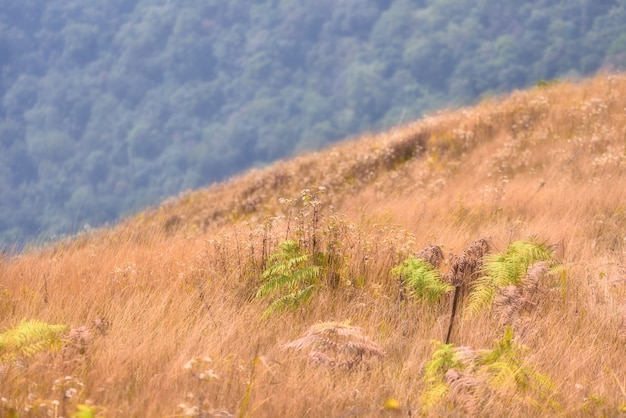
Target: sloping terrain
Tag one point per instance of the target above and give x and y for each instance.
(201, 307)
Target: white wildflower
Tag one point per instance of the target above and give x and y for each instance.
(190, 364)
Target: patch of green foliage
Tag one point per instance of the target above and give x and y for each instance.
(505, 365)
(443, 359)
(291, 276)
(422, 279)
(467, 376)
(504, 269)
(29, 338)
(84, 411)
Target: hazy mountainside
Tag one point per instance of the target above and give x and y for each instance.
(472, 263)
(108, 106)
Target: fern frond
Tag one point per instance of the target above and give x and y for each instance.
(483, 292)
(29, 338)
(504, 374)
(288, 281)
(433, 396)
(422, 279)
(284, 265)
(465, 377)
(289, 272)
(443, 359)
(321, 359)
(363, 348)
(333, 329)
(501, 270)
(291, 300)
(531, 250)
(289, 249)
(505, 367)
(274, 284)
(306, 275)
(556, 269)
(542, 382)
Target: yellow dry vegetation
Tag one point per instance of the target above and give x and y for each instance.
(167, 302)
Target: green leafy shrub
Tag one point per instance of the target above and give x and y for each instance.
(469, 378)
(443, 359)
(85, 411)
(29, 338)
(507, 269)
(422, 279)
(291, 275)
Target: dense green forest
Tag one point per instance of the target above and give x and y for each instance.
(111, 105)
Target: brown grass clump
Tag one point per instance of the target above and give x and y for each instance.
(178, 282)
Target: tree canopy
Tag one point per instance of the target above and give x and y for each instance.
(108, 106)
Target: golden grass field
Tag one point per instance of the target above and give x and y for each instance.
(162, 319)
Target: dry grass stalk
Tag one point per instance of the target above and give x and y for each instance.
(621, 332)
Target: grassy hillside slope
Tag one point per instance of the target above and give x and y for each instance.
(164, 316)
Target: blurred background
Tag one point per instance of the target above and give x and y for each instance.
(109, 106)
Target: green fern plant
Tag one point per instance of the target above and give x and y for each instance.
(502, 270)
(443, 359)
(422, 279)
(291, 275)
(29, 338)
(85, 411)
(505, 365)
(469, 379)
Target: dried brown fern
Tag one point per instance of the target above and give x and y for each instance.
(508, 304)
(463, 271)
(467, 389)
(469, 380)
(337, 345)
(513, 301)
(464, 268)
(79, 338)
(433, 254)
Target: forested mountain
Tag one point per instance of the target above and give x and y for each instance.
(110, 105)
